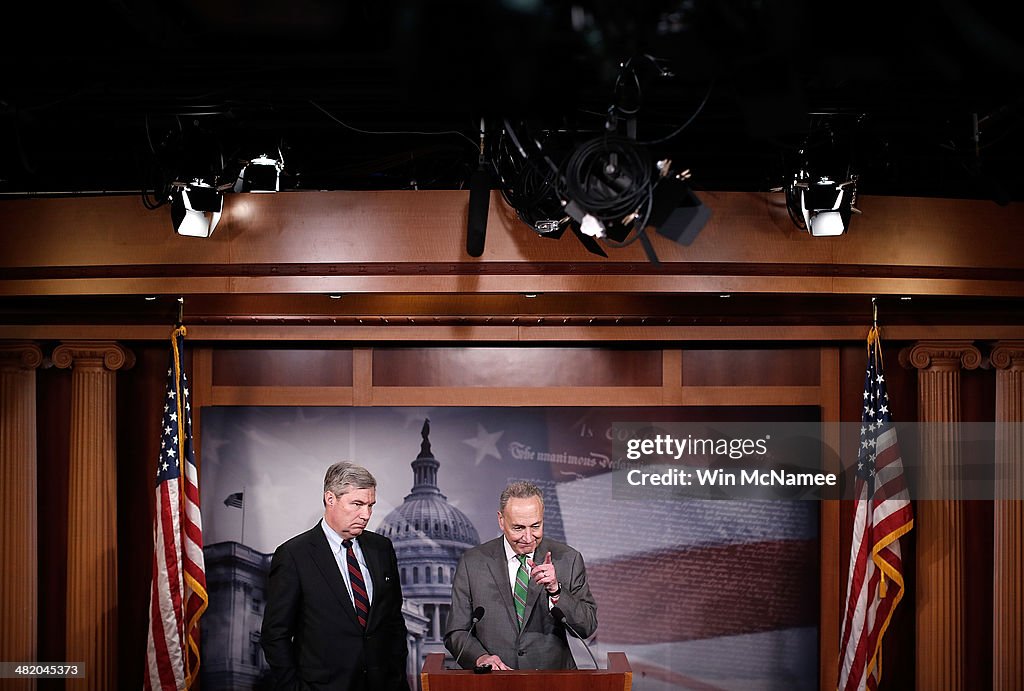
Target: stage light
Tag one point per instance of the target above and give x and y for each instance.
(608, 190)
(195, 208)
(819, 204)
(261, 174)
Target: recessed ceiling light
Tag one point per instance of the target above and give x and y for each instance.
(334, 297)
(725, 295)
(906, 298)
(150, 298)
(530, 295)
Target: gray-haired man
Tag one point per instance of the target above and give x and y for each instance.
(518, 578)
(333, 618)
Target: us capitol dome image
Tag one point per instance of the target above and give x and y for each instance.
(429, 535)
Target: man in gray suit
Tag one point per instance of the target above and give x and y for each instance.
(517, 579)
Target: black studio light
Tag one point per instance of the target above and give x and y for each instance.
(195, 208)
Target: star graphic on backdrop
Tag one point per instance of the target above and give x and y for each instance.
(485, 443)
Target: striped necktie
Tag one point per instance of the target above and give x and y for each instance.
(519, 592)
(355, 577)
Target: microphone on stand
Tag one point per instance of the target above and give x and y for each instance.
(559, 616)
(479, 199)
(478, 614)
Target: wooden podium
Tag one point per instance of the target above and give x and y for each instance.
(618, 677)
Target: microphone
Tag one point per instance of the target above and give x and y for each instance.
(479, 200)
(478, 614)
(559, 616)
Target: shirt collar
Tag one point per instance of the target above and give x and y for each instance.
(510, 553)
(333, 539)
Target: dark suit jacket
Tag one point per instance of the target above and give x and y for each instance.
(311, 637)
(481, 580)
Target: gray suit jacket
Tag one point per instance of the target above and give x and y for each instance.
(482, 580)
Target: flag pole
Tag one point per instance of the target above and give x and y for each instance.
(874, 337)
(244, 495)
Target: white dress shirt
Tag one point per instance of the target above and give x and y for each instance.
(340, 557)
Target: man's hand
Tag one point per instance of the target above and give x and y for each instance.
(544, 574)
(493, 660)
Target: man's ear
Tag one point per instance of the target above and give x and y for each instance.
(329, 498)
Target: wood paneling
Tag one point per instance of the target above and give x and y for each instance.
(403, 226)
(516, 396)
(829, 596)
(515, 367)
(516, 282)
(750, 395)
(377, 332)
(751, 367)
(281, 395)
(296, 242)
(282, 367)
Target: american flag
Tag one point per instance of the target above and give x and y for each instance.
(178, 593)
(883, 515)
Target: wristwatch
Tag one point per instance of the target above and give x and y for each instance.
(557, 592)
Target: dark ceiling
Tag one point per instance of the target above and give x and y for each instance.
(118, 96)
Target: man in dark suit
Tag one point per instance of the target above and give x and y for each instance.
(333, 619)
(518, 578)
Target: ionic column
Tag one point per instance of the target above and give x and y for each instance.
(1008, 522)
(91, 630)
(18, 510)
(940, 654)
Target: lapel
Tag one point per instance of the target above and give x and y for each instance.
(374, 565)
(498, 565)
(320, 552)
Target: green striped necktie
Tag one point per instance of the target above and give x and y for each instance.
(519, 592)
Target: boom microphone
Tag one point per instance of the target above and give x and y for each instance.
(559, 616)
(479, 200)
(478, 614)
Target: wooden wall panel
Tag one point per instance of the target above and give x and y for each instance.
(829, 596)
(516, 367)
(429, 226)
(282, 367)
(752, 367)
